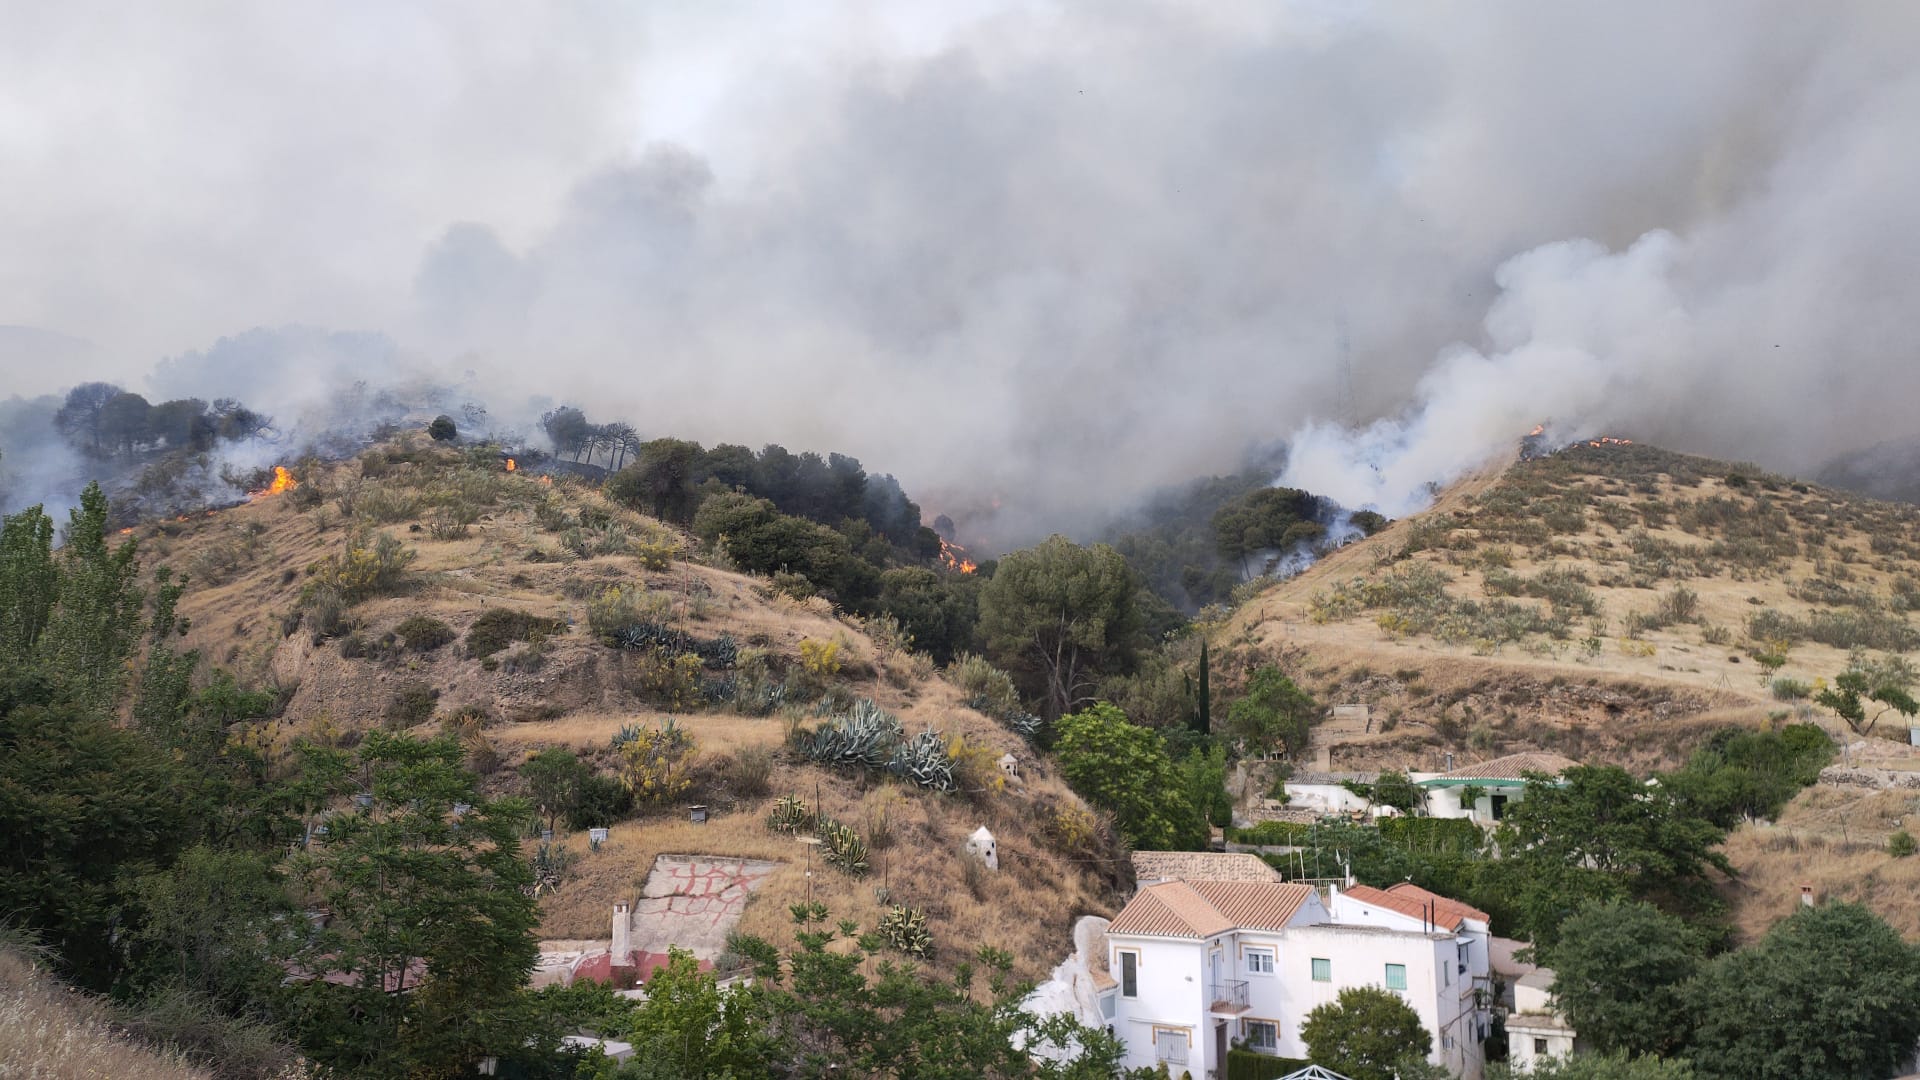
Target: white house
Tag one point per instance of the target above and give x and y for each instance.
(1199, 964)
(1535, 1029)
(1482, 792)
(1463, 1003)
(1327, 792)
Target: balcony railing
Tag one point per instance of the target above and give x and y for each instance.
(1230, 997)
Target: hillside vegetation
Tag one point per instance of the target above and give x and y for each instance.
(1620, 604)
(553, 617)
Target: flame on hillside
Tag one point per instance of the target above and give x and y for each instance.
(954, 557)
(282, 481)
(1608, 440)
(511, 465)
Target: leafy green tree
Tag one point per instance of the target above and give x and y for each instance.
(443, 429)
(1270, 519)
(431, 917)
(1204, 772)
(125, 422)
(555, 778)
(1599, 819)
(216, 922)
(689, 1026)
(84, 806)
(1272, 712)
(1124, 768)
(96, 622)
(1741, 773)
(29, 583)
(760, 539)
(566, 428)
(79, 416)
(1620, 971)
(939, 610)
(662, 480)
(1854, 691)
(1396, 789)
(1366, 1033)
(1614, 1066)
(184, 423)
(1830, 991)
(1057, 616)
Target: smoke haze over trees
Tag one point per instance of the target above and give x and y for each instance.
(1058, 256)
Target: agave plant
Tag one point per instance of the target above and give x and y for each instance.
(864, 735)
(790, 815)
(905, 929)
(626, 734)
(923, 759)
(844, 848)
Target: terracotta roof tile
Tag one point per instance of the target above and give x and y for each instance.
(1201, 866)
(1255, 905)
(1410, 899)
(1169, 909)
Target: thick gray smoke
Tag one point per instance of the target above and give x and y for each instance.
(1050, 254)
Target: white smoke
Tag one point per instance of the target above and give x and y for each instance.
(1054, 254)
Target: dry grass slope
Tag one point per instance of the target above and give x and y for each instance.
(48, 1032)
(551, 549)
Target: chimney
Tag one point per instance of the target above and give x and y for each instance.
(1806, 896)
(622, 949)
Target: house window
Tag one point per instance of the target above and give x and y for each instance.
(1170, 1045)
(1539, 1048)
(1107, 1005)
(1322, 970)
(1262, 1035)
(1129, 974)
(1396, 976)
(1260, 961)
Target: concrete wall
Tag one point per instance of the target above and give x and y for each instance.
(1466, 801)
(1327, 798)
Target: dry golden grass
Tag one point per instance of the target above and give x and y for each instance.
(579, 699)
(48, 1032)
(1834, 839)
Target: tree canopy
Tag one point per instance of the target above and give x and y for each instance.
(1366, 1033)
(1121, 767)
(1059, 615)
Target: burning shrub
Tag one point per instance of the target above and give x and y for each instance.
(497, 628)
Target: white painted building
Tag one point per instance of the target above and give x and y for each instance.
(1483, 792)
(1199, 964)
(1535, 1030)
(1327, 793)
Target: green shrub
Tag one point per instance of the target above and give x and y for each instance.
(497, 628)
(423, 633)
(1900, 844)
(1785, 689)
(411, 704)
(1253, 1065)
(618, 607)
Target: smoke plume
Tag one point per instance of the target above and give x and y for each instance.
(1048, 256)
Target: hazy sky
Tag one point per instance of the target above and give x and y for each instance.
(1053, 253)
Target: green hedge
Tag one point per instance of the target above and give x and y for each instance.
(1249, 1065)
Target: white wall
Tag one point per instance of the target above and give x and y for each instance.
(1327, 798)
(1435, 991)
(1171, 994)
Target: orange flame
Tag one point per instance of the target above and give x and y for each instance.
(511, 465)
(1608, 440)
(282, 481)
(954, 557)
(1538, 429)
(126, 532)
(547, 480)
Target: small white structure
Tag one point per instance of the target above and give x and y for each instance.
(1482, 793)
(1534, 1029)
(981, 845)
(1199, 964)
(1010, 765)
(616, 1051)
(1327, 793)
